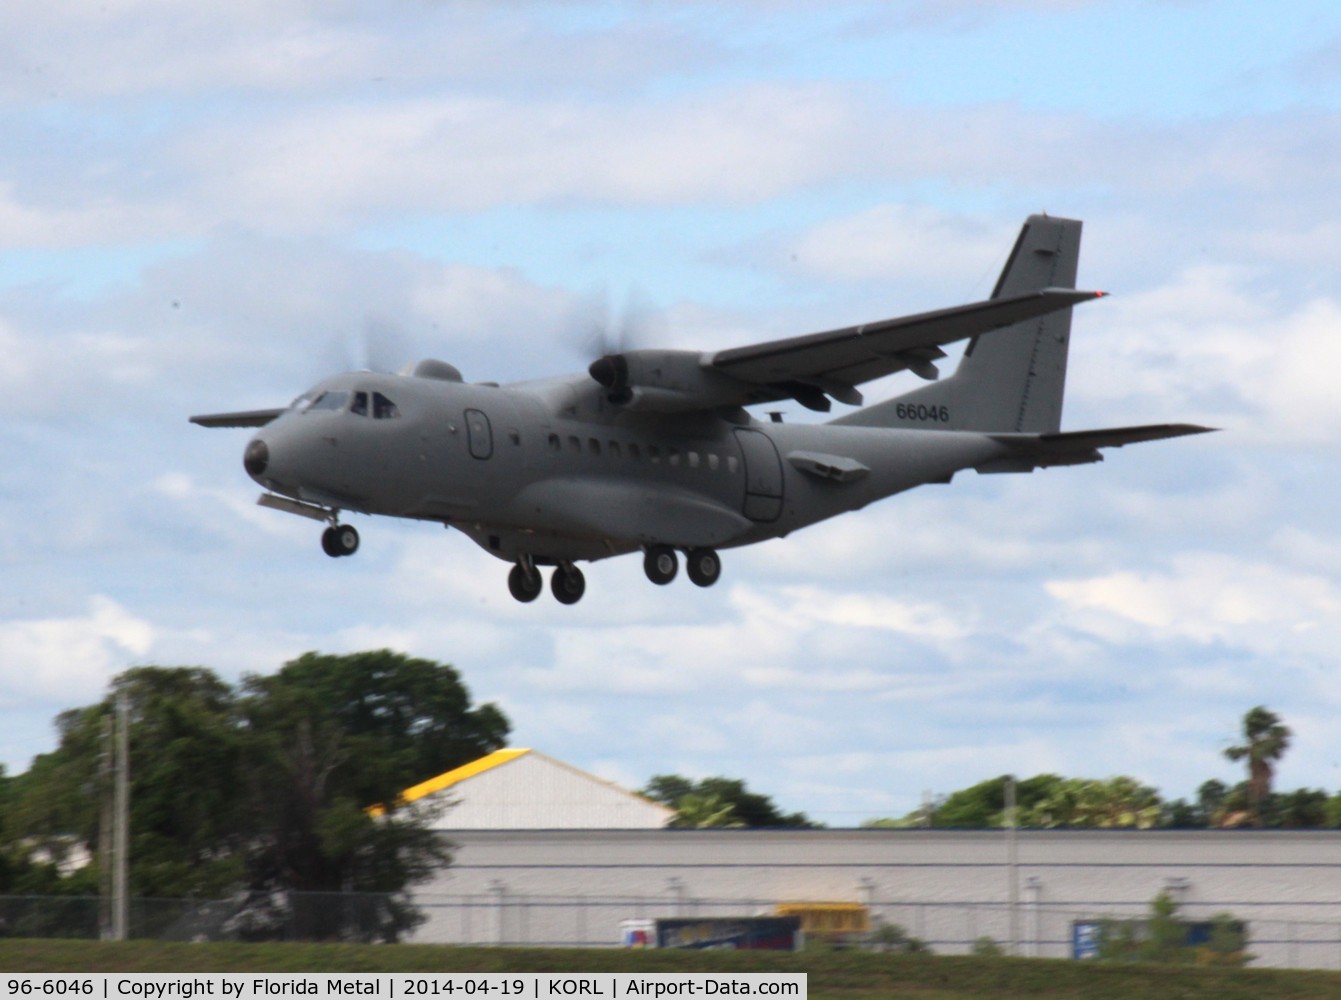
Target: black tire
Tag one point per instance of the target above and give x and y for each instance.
(524, 586)
(661, 564)
(345, 539)
(568, 585)
(328, 543)
(703, 567)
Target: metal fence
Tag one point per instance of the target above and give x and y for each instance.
(507, 917)
(1037, 930)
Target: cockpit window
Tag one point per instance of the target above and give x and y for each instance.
(383, 408)
(333, 400)
(302, 402)
(360, 407)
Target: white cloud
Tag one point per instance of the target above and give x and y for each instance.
(1207, 597)
(59, 660)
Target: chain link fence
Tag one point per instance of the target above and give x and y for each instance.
(507, 917)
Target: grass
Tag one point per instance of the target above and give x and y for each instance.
(847, 975)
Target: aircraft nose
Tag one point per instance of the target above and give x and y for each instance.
(256, 458)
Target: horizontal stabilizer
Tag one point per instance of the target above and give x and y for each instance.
(243, 418)
(1041, 451)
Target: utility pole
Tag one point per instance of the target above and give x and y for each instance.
(1013, 864)
(106, 821)
(121, 823)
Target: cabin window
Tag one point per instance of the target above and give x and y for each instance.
(554, 443)
(713, 461)
(614, 449)
(635, 452)
(360, 405)
(383, 408)
(574, 443)
(593, 446)
(732, 463)
(693, 460)
(673, 457)
(514, 436)
(654, 454)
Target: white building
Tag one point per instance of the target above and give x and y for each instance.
(517, 789)
(547, 854)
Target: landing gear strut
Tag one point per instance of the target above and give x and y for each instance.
(340, 540)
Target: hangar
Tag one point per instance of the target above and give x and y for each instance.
(550, 879)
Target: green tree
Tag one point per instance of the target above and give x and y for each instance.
(266, 788)
(1085, 802)
(701, 811)
(984, 804)
(186, 820)
(746, 808)
(1265, 740)
(329, 736)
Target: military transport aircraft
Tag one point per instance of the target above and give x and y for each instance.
(653, 450)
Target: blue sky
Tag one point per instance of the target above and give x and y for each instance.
(211, 207)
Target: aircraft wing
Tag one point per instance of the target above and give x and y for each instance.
(834, 362)
(1027, 452)
(243, 418)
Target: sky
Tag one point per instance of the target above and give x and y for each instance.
(211, 206)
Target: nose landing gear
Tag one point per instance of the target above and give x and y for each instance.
(340, 540)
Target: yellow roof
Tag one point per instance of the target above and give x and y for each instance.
(449, 778)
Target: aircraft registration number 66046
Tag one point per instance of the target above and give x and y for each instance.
(920, 411)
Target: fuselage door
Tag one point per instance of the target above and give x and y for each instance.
(763, 475)
(479, 433)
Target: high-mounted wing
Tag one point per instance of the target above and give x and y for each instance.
(812, 368)
(836, 361)
(243, 418)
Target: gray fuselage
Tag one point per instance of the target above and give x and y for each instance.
(553, 471)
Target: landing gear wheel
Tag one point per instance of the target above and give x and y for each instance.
(661, 564)
(703, 566)
(340, 540)
(525, 584)
(568, 584)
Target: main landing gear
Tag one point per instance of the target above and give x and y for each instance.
(567, 582)
(703, 566)
(661, 563)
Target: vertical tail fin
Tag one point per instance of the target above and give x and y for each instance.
(1012, 379)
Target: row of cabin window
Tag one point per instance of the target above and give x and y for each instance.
(674, 457)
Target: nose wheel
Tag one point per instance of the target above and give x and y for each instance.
(340, 540)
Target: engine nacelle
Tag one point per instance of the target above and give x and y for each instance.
(663, 381)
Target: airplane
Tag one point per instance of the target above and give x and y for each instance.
(653, 451)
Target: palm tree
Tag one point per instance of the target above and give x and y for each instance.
(1265, 740)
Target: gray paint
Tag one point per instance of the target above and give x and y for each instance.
(652, 450)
